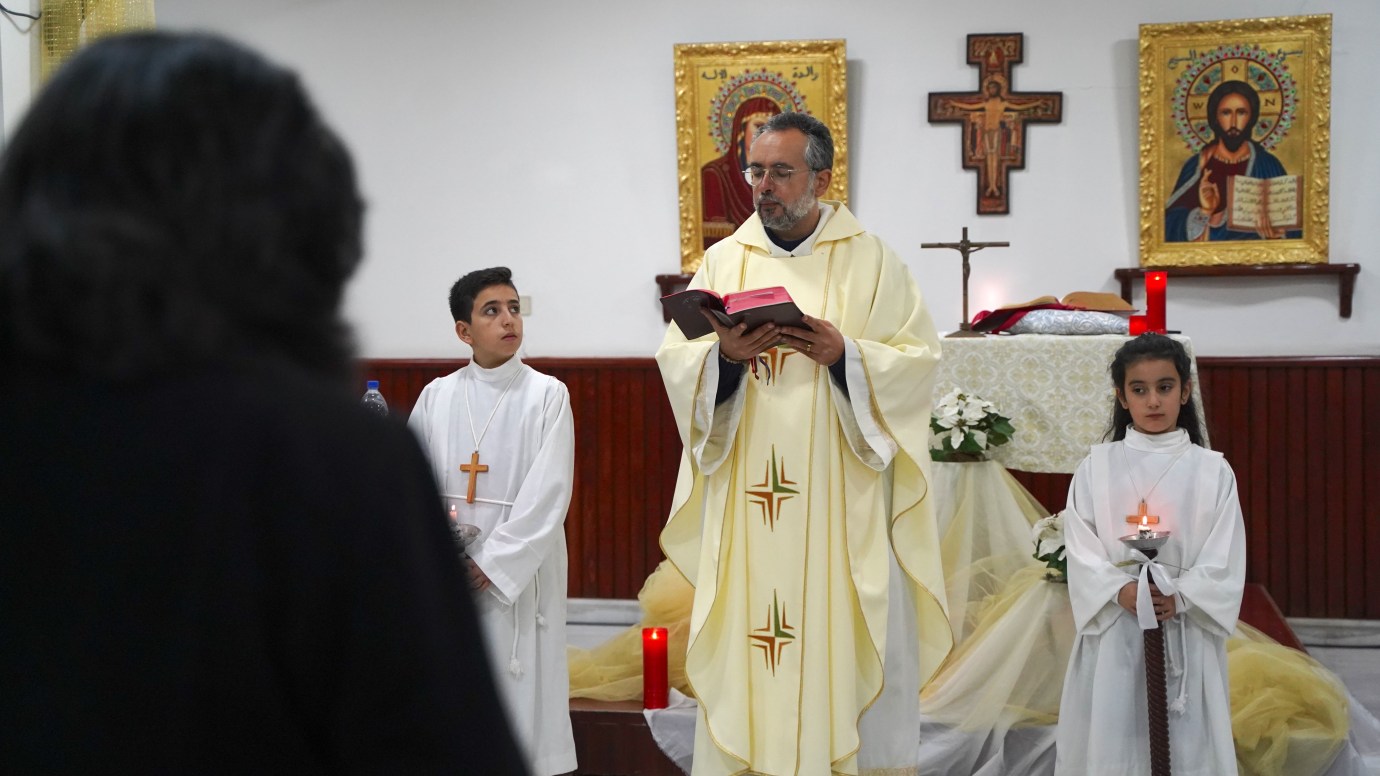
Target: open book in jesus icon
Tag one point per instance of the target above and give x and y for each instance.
(1278, 199)
(756, 306)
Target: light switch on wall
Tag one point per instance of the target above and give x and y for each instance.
(525, 304)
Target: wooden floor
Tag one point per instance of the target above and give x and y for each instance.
(612, 738)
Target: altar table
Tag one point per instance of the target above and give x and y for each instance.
(1055, 388)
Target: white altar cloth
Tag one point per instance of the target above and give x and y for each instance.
(1055, 389)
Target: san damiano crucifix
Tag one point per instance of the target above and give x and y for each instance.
(994, 117)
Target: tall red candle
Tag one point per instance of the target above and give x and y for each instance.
(654, 685)
(1155, 283)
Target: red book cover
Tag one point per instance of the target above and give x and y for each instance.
(755, 306)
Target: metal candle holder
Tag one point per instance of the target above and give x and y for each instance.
(1156, 693)
(464, 535)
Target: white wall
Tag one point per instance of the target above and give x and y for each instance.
(541, 135)
(18, 50)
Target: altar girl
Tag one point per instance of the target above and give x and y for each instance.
(1155, 472)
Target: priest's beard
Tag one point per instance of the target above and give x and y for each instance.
(791, 213)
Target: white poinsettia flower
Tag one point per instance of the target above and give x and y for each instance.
(950, 402)
(1048, 534)
(959, 417)
(956, 438)
(1045, 528)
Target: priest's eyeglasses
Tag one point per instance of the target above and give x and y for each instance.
(779, 174)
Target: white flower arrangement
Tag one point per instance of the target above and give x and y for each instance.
(1048, 534)
(966, 427)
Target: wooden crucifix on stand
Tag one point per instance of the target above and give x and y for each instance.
(994, 117)
(966, 247)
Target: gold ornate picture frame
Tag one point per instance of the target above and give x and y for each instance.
(722, 91)
(1236, 99)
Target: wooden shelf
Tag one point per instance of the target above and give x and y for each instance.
(1345, 274)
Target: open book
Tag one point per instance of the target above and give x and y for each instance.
(1006, 316)
(756, 306)
(1279, 197)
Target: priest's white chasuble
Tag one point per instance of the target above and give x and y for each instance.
(1102, 714)
(802, 515)
(522, 485)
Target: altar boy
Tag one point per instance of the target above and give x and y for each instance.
(501, 441)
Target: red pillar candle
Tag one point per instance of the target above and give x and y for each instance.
(1137, 325)
(1155, 283)
(654, 685)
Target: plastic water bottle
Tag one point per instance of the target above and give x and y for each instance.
(373, 400)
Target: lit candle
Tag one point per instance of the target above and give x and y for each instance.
(1155, 283)
(1137, 325)
(1144, 526)
(654, 685)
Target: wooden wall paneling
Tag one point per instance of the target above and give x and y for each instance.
(1223, 410)
(619, 480)
(596, 517)
(1310, 500)
(1299, 417)
(1256, 449)
(637, 476)
(1051, 490)
(1352, 475)
(1285, 537)
(589, 505)
(1250, 458)
(1368, 407)
(657, 459)
(1341, 388)
(1339, 523)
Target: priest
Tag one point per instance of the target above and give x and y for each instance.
(501, 442)
(802, 513)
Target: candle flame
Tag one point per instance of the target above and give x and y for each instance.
(1144, 521)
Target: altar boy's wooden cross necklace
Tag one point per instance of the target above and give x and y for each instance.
(1142, 518)
(474, 468)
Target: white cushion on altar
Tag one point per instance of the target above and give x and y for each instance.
(1069, 322)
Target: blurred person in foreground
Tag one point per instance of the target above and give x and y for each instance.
(211, 558)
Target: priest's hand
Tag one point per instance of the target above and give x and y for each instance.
(821, 342)
(479, 581)
(739, 344)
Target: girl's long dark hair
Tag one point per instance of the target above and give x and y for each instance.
(175, 200)
(1156, 347)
